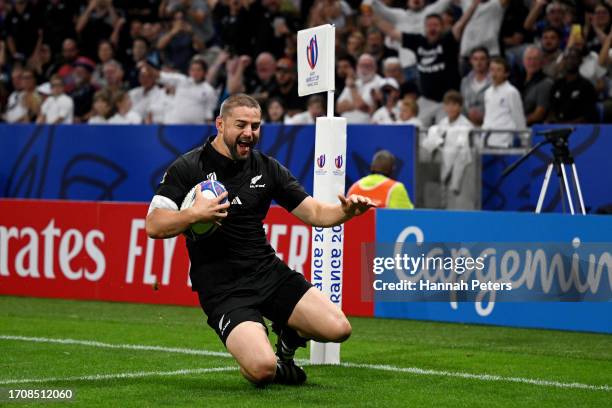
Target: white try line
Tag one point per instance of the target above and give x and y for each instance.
(409, 370)
(100, 377)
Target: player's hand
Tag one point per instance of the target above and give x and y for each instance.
(205, 210)
(355, 204)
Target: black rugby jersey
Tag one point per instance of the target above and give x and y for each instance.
(237, 256)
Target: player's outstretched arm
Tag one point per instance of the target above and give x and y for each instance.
(167, 223)
(320, 214)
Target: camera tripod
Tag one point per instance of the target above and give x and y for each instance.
(562, 157)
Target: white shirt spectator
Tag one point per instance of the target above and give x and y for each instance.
(407, 21)
(130, 118)
(142, 100)
(483, 28)
(56, 107)
(302, 118)
(365, 91)
(383, 117)
(193, 102)
(412, 121)
(503, 110)
(161, 106)
(15, 110)
(97, 120)
(460, 122)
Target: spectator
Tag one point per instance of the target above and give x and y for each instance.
(589, 67)
(58, 108)
(15, 109)
(535, 87)
(143, 96)
(124, 115)
(23, 30)
(409, 112)
(102, 108)
(356, 102)
(483, 29)
(454, 103)
(316, 108)
(197, 15)
(345, 66)
(392, 68)
(106, 53)
(573, 96)
(551, 50)
(112, 72)
(98, 20)
(514, 37)
(260, 85)
(65, 66)
(233, 20)
(355, 44)
(286, 79)
(555, 17)
(176, 44)
(195, 100)
(503, 106)
(411, 21)
(379, 185)
(28, 98)
(330, 12)
(83, 92)
(140, 52)
(437, 56)
(375, 46)
(273, 25)
(452, 136)
(275, 111)
(41, 62)
(597, 25)
(474, 85)
(388, 113)
(58, 22)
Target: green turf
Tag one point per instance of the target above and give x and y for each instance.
(537, 354)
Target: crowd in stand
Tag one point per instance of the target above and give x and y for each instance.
(507, 64)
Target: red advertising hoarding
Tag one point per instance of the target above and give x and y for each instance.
(100, 251)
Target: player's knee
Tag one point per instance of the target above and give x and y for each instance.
(341, 330)
(262, 371)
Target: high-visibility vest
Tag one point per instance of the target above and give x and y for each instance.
(383, 191)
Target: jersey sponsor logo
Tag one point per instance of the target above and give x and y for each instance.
(212, 176)
(254, 181)
(236, 201)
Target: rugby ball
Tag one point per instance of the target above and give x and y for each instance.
(210, 189)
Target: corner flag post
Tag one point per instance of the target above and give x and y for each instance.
(316, 73)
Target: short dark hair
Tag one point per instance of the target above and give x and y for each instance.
(349, 58)
(553, 29)
(237, 100)
(199, 60)
(434, 15)
(453, 96)
(484, 50)
(501, 61)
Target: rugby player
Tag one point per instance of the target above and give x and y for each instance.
(236, 273)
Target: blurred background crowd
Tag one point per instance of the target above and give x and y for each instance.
(498, 64)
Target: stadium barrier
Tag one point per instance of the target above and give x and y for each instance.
(103, 254)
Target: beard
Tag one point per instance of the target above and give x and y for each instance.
(242, 147)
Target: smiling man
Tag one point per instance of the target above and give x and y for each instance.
(238, 277)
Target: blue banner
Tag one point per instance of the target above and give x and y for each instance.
(590, 145)
(125, 163)
(439, 226)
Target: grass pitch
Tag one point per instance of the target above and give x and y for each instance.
(389, 362)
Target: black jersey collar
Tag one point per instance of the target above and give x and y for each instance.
(220, 161)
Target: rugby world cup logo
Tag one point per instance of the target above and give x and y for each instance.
(321, 161)
(312, 52)
(339, 161)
